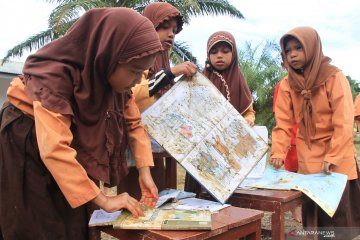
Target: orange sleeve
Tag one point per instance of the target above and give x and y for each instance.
(139, 140)
(141, 93)
(342, 119)
(284, 117)
(276, 90)
(54, 138)
(18, 98)
(249, 114)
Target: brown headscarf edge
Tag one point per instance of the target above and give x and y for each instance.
(316, 72)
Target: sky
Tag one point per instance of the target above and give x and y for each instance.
(336, 21)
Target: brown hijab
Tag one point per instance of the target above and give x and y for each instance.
(240, 95)
(316, 72)
(157, 13)
(70, 76)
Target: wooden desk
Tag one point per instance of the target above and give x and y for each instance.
(229, 223)
(276, 201)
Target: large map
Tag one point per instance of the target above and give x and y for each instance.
(198, 127)
(325, 190)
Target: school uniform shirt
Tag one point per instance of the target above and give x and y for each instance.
(54, 138)
(333, 141)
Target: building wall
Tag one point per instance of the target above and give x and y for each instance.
(8, 71)
(4, 84)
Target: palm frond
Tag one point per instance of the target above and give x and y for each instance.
(137, 5)
(219, 7)
(33, 42)
(68, 10)
(262, 70)
(195, 8)
(180, 52)
(38, 40)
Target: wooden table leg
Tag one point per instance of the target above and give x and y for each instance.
(278, 223)
(171, 175)
(94, 234)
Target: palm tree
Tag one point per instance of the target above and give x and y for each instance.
(261, 66)
(68, 11)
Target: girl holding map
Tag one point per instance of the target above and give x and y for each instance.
(168, 22)
(223, 70)
(67, 124)
(316, 95)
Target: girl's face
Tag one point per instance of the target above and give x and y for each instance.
(126, 75)
(220, 56)
(295, 54)
(166, 32)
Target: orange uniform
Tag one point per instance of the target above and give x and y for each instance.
(333, 141)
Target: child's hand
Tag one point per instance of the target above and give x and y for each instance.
(250, 122)
(326, 168)
(187, 68)
(114, 203)
(276, 162)
(149, 191)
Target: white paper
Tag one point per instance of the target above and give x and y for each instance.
(172, 195)
(101, 217)
(195, 204)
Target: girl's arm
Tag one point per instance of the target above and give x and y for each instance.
(54, 138)
(166, 76)
(284, 117)
(160, 80)
(141, 149)
(249, 115)
(340, 99)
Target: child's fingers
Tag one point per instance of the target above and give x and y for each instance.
(276, 162)
(135, 209)
(326, 168)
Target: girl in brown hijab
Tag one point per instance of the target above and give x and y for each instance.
(223, 70)
(167, 21)
(67, 124)
(317, 96)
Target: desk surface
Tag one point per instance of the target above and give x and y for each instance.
(227, 219)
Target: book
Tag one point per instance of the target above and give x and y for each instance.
(325, 190)
(162, 219)
(198, 127)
